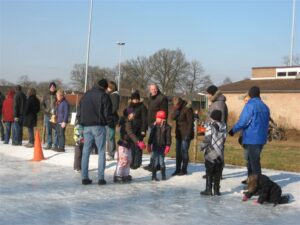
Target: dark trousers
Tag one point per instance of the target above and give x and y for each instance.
(137, 155)
(61, 136)
(78, 156)
(252, 155)
(31, 134)
(1, 128)
(182, 155)
(18, 132)
(214, 170)
(8, 126)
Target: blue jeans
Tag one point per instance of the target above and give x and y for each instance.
(252, 154)
(8, 126)
(18, 132)
(92, 134)
(49, 126)
(182, 154)
(1, 128)
(158, 158)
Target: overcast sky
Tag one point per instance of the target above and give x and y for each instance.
(45, 38)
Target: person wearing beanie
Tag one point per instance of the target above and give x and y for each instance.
(213, 148)
(183, 115)
(48, 105)
(217, 102)
(139, 124)
(112, 90)
(159, 144)
(125, 144)
(94, 113)
(254, 124)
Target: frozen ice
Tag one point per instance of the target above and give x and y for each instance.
(50, 192)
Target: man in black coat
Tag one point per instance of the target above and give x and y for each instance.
(19, 108)
(157, 102)
(94, 113)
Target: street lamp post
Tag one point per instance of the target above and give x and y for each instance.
(119, 78)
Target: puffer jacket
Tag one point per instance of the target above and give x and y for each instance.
(184, 117)
(213, 142)
(254, 122)
(218, 102)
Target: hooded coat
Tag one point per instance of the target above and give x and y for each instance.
(218, 102)
(31, 110)
(8, 107)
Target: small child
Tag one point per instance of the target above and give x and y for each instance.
(213, 147)
(159, 142)
(78, 138)
(267, 190)
(123, 155)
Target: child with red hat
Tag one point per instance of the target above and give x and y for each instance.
(159, 143)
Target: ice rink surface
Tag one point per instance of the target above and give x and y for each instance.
(50, 192)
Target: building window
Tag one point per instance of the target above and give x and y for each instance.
(293, 73)
(281, 74)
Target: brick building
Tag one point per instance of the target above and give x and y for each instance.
(280, 90)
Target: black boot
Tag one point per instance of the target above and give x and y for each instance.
(178, 166)
(154, 175)
(217, 185)
(208, 188)
(184, 167)
(163, 173)
(149, 167)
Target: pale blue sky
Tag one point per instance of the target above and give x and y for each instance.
(45, 38)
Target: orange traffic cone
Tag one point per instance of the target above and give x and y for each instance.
(38, 151)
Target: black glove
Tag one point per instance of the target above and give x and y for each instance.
(231, 133)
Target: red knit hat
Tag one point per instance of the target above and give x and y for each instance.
(161, 115)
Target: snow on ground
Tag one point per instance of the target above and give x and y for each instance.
(50, 192)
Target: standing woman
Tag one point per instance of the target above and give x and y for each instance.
(8, 114)
(184, 117)
(62, 113)
(32, 108)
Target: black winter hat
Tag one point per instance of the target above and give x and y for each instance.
(216, 115)
(52, 84)
(212, 89)
(103, 83)
(254, 92)
(135, 95)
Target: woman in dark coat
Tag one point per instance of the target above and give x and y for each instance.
(32, 108)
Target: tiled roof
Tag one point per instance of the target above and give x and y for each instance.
(272, 85)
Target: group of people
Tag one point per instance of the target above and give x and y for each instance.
(19, 110)
(97, 118)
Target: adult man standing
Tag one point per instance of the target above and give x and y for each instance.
(157, 102)
(94, 113)
(19, 108)
(111, 132)
(48, 103)
(254, 123)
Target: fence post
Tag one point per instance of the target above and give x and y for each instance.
(195, 138)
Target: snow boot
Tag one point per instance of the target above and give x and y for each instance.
(217, 185)
(208, 189)
(149, 166)
(154, 177)
(184, 167)
(86, 181)
(163, 173)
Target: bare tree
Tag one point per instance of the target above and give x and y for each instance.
(227, 80)
(193, 79)
(94, 75)
(4, 82)
(135, 74)
(296, 60)
(168, 68)
(25, 82)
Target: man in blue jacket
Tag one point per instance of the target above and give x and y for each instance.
(254, 123)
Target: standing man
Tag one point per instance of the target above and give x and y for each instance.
(254, 123)
(19, 109)
(111, 132)
(94, 113)
(2, 98)
(48, 103)
(184, 117)
(157, 102)
(218, 102)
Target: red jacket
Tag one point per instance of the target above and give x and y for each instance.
(8, 107)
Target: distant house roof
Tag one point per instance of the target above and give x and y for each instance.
(273, 86)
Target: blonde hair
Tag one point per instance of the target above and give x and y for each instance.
(61, 92)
